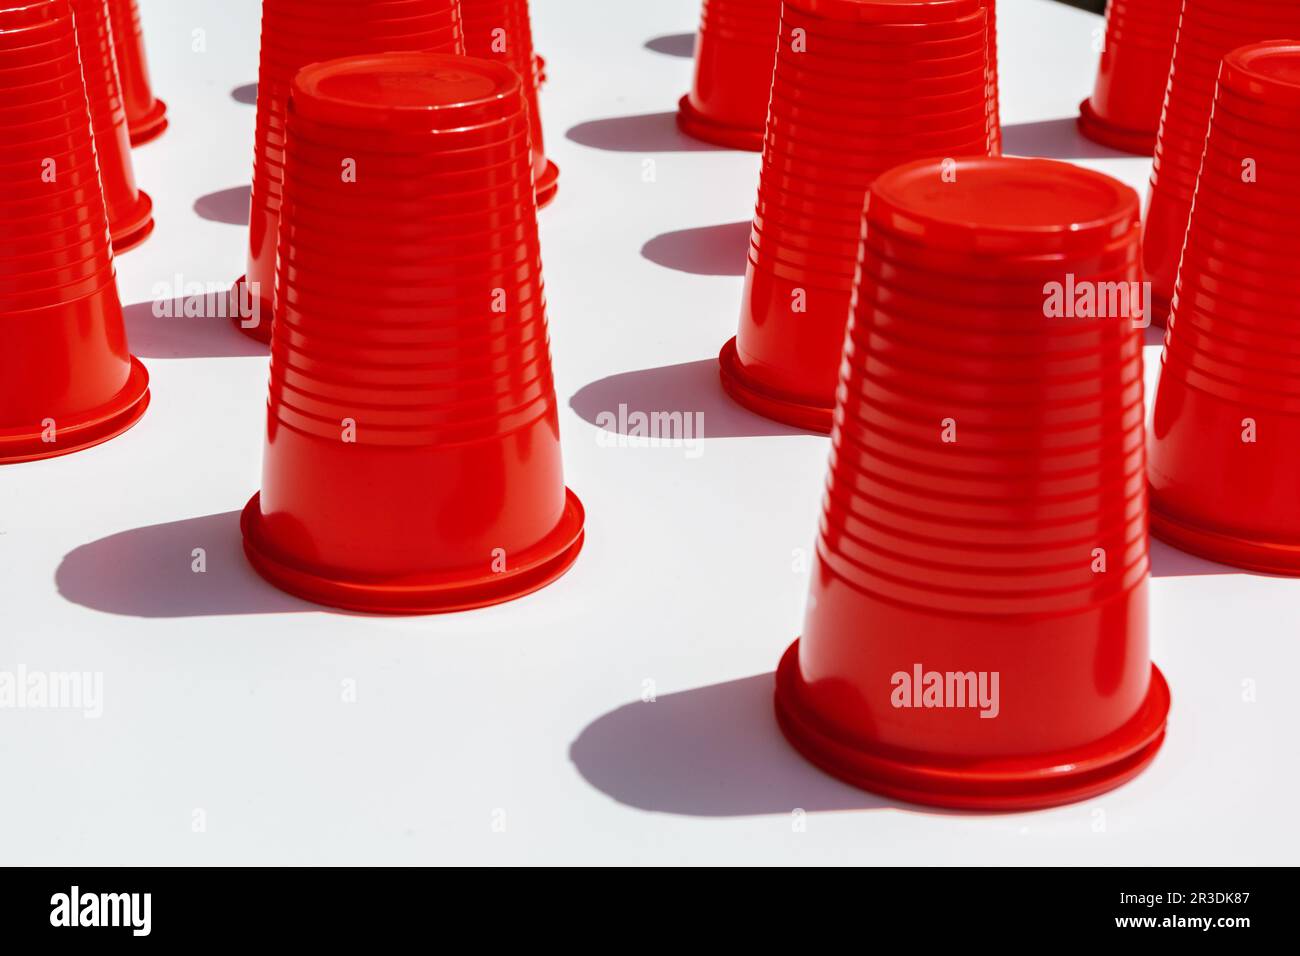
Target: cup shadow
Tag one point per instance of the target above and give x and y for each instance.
(191, 327)
(642, 133)
(673, 44)
(689, 388)
(719, 250)
(149, 572)
(246, 94)
(713, 751)
(229, 206)
(1168, 562)
(1054, 139)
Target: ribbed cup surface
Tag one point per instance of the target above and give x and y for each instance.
(500, 30)
(850, 99)
(985, 511)
(145, 113)
(411, 387)
(296, 33)
(1209, 29)
(734, 55)
(1226, 430)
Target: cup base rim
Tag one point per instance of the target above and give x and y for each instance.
(708, 130)
(539, 566)
(150, 126)
(547, 185)
(765, 402)
(1250, 554)
(1138, 142)
(138, 227)
(1000, 785)
(258, 333)
(87, 429)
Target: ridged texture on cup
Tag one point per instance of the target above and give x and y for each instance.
(1225, 440)
(294, 34)
(1209, 29)
(146, 115)
(850, 99)
(734, 53)
(67, 380)
(1124, 109)
(130, 211)
(411, 311)
(985, 511)
(501, 30)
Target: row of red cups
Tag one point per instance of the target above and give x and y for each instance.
(731, 95)
(1209, 29)
(859, 98)
(1124, 109)
(1226, 425)
(296, 33)
(67, 379)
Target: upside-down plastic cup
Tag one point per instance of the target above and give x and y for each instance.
(294, 34)
(1124, 109)
(130, 210)
(976, 633)
(1225, 435)
(734, 52)
(859, 86)
(1209, 29)
(501, 30)
(146, 115)
(67, 380)
(412, 459)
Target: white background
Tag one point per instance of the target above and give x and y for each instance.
(223, 695)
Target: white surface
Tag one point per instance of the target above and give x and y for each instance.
(223, 695)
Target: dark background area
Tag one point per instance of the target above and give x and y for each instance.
(1096, 6)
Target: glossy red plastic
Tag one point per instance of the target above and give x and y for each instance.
(67, 381)
(130, 210)
(294, 34)
(734, 52)
(1124, 109)
(823, 147)
(1225, 435)
(412, 461)
(146, 115)
(1209, 29)
(501, 30)
(976, 632)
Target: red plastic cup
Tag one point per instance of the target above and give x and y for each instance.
(735, 51)
(67, 381)
(501, 30)
(130, 210)
(412, 460)
(976, 632)
(1124, 109)
(825, 143)
(146, 115)
(294, 34)
(1225, 436)
(1209, 29)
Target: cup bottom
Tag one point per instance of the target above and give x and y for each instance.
(698, 126)
(1251, 554)
(547, 185)
(1139, 142)
(437, 594)
(766, 402)
(86, 430)
(260, 332)
(136, 228)
(150, 126)
(998, 784)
